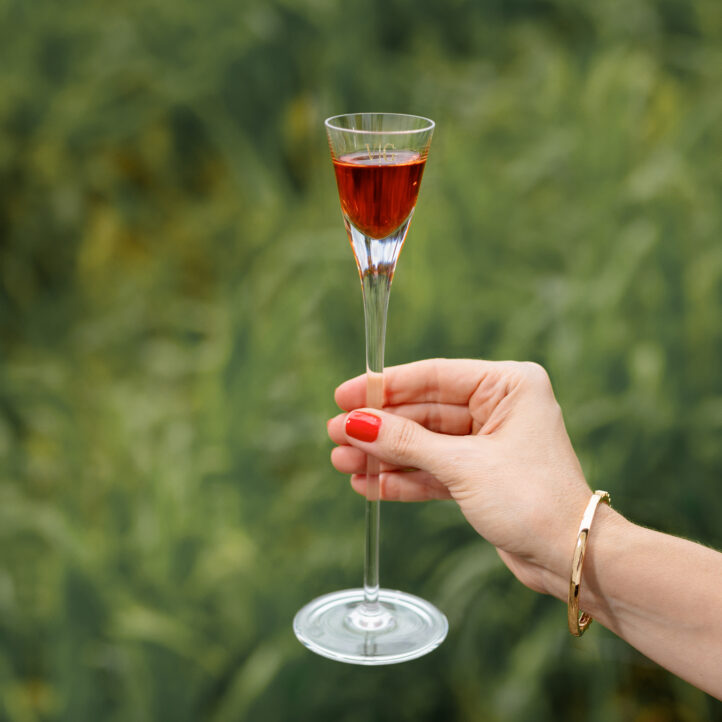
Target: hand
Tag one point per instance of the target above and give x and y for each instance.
(489, 435)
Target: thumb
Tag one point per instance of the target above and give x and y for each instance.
(397, 440)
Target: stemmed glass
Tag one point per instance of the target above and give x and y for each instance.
(378, 159)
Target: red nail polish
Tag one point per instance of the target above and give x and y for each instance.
(363, 426)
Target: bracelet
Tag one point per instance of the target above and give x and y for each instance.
(578, 622)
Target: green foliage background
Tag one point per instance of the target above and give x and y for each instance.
(178, 301)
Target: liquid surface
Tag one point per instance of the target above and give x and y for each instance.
(378, 190)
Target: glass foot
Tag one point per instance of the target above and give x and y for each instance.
(398, 628)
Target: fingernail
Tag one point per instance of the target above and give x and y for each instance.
(363, 426)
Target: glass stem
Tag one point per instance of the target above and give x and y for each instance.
(376, 283)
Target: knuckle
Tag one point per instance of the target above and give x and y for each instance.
(557, 416)
(426, 492)
(388, 488)
(403, 441)
(535, 370)
(536, 373)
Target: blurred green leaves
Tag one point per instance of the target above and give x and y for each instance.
(177, 303)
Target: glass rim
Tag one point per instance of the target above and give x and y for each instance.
(430, 124)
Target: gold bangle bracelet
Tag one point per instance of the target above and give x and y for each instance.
(578, 622)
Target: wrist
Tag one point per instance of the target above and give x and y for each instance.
(608, 536)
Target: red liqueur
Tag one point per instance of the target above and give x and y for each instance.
(378, 190)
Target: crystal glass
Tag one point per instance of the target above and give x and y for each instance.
(379, 160)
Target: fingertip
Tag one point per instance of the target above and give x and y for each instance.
(336, 395)
(358, 483)
(342, 398)
(351, 393)
(335, 429)
(363, 425)
(334, 456)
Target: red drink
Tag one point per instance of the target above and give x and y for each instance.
(378, 189)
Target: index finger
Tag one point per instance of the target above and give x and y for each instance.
(448, 381)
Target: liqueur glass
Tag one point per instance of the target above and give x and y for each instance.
(379, 160)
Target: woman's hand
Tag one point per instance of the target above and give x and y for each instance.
(489, 435)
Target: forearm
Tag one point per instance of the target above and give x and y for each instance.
(660, 593)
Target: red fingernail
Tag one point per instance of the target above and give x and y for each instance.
(363, 426)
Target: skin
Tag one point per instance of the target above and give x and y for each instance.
(490, 436)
